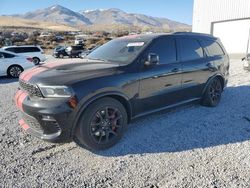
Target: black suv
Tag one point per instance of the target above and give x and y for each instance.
(74, 51)
(92, 100)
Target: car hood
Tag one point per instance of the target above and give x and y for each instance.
(66, 72)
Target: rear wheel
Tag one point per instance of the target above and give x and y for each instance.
(36, 60)
(14, 71)
(212, 94)
(102, 124)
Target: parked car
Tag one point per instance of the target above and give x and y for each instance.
(92, 100)
(59, 52)
(74, 51)
(88, 51)
(35, 52)
(13, 65)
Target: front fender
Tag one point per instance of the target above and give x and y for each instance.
(87, 100)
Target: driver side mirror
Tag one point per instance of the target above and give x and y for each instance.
(153, 59)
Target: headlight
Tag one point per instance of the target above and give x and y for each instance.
(56, 91)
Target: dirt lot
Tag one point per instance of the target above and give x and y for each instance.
(191, 146)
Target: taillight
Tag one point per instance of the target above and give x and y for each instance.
(30, 59)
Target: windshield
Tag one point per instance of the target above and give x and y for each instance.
(119, 50)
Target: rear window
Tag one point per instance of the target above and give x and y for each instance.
(77, 47)
(6, 55)
(213, 48)
(190, 49)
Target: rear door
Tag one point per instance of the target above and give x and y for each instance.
(195, 67)
(161, 83)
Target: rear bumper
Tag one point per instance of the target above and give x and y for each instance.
(45, 119)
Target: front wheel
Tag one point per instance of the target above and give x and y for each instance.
(212, 94)
(102, 124)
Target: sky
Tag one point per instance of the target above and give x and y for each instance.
(178, 10)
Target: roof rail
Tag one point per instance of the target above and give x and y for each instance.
(193, 33)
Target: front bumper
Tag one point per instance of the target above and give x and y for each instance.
(47, 119)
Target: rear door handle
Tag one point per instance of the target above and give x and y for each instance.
(175, 70)
(211, 66)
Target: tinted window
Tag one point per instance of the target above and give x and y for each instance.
(212, 47)
(190, 49)
(6, 55)
(77, 47)
(1, 55)
(11, 49)
(24, 49)
(165, 48)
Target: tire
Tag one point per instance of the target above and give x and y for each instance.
(101, 125)
(36, 60)
(14, 71)
(213, 93)
(61, 56)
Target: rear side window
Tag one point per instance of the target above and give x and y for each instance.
(7, 55)
(190, 49)
(165, 48)
(213, 48)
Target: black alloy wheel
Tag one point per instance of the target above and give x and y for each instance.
(102, 124)
(213, 93)
(105, 124)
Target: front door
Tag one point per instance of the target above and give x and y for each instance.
(160, 84)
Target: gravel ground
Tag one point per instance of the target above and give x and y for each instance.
(191, 146)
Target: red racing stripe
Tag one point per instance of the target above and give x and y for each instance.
(33, 72)
(19, 98)
(23, 125)
(26, 76)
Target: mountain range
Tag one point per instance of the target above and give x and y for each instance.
(102, 17)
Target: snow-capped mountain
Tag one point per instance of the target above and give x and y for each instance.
(113, 16)
(58, 14)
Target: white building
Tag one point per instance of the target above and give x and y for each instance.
(227, 19)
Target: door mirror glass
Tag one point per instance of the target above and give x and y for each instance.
(153, 59)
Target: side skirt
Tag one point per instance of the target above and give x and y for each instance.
(166, 107)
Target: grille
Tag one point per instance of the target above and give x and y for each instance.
(33, 123)
(44, 127)
(31, 89)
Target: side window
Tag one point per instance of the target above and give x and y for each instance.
(10, 50)
(34, 49)
(190, 49)
(213, 48)
(19, 50)
(1, 55)
(165, 48)
(6, 55)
